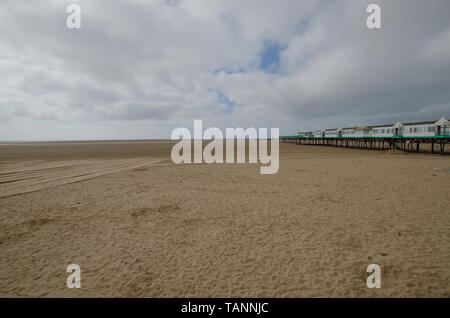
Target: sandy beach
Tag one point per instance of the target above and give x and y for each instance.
(140, 226)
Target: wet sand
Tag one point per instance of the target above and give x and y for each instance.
(140, 226)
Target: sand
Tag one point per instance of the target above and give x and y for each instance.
(140, 226)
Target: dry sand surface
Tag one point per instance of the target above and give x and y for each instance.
(138, 225)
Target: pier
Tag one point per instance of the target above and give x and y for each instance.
(435, 144)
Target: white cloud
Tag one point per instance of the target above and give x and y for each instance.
(138, 69)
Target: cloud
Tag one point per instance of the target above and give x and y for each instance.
(138, 69)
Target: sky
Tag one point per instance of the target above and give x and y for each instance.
(139, 69)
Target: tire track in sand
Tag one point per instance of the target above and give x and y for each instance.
(30, 176)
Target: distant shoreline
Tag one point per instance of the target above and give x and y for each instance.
(9, 142)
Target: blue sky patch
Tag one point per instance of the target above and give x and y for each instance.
(270, 57)
(223, 99)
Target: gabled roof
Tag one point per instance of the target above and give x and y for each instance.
(398, 125)
(443, 122)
